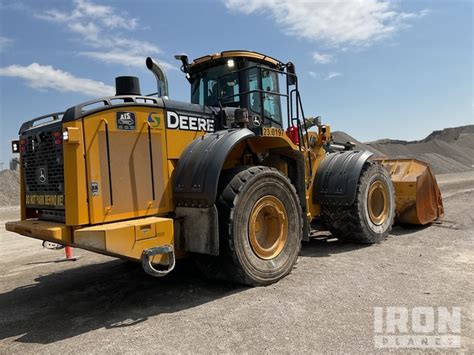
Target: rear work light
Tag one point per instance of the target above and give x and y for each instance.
(16, 146)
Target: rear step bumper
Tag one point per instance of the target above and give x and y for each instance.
(50, 231)
(126, 239)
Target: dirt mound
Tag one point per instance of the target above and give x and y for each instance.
(451, 135)
(450, 150)
(343, 137)
(9, 188)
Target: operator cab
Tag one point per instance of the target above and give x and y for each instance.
(244, 79)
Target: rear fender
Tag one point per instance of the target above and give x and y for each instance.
(199, 167)
(195, 189)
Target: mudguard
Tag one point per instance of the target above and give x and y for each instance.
(198, 170)
(337, 177)
(195, 189)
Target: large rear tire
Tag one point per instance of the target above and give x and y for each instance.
(370, 218)
(260, 225)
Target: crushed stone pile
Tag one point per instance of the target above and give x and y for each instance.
(9, 188)
(450, 150)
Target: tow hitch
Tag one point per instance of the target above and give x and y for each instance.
(148, 255)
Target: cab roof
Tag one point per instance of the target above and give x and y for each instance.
(214, 59)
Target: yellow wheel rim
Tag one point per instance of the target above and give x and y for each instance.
(377, 203)
(268, 227)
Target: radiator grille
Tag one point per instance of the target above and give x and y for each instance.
(43, 165)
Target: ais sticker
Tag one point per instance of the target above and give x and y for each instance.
(126, 121)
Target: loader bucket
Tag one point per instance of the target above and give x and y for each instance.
(418, 198)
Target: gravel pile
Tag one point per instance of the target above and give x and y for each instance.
(450, 150)
(9, 188)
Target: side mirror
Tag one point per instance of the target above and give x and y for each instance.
(290, 69)
(184, 60)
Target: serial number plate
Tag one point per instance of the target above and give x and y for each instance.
(45, 200)
(272, 131)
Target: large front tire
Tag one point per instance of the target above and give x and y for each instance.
(260, 225)
(370, 218)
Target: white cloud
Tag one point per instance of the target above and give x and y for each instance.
(114, 57)
(98, 26)
(322, 58)
(105, 16)
(126, 59)
(332, 75)
(336, 23)
(5, 42)
(325, 76)
(40, 76)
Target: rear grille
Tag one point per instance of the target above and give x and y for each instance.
(43, 168)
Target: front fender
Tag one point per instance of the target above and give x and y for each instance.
(337, 177)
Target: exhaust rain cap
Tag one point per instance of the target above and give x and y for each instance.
(127, 85)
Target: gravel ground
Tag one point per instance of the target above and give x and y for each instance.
(102, 305)
(9, 187)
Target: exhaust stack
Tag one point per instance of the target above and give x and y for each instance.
(127, 85)
(160, 76)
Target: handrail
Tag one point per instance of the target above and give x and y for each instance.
(28, 124)
(108, 161)
(150, 150)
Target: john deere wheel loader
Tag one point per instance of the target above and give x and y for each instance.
(235, 179)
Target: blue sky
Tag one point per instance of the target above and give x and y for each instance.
(373, 68)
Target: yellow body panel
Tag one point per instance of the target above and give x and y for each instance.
(129, 168)
(178, 140)
(128, 238)
(75, 181)
(50, 231)
(314, 142)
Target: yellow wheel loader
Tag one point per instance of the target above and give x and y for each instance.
(236, 179)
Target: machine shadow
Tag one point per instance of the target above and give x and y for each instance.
(113, 294)
(400, 230)
(325, 246)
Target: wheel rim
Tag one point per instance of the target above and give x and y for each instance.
(377, 203)
(268, 227)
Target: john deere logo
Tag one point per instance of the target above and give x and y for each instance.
(42, 175)
(154, 120)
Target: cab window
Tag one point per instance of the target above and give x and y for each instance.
(254, 104)
(271, 101)
(205, 87)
